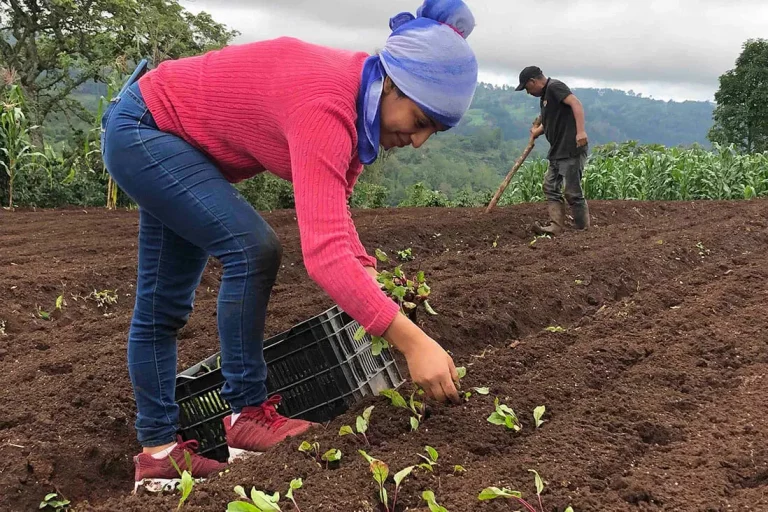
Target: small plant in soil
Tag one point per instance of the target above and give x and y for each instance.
(491, 493)
(361, 425)
(457, 470)
(2, 328)
(408, 293)
(429, 497)
(187, 482)
(104, 298)
(504, 415)
(430, 459)
(415, 407)
(262, 502)
(405, 254)
(313, 450)
(295, 485)
(535, 239)
(538, 413)
(554, 328)
(332, 455)
(43, 314)
(53, 502)
(380, 472)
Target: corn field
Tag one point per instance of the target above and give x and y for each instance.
(649, 173)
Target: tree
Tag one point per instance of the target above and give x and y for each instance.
(57, 46)
(741, 115)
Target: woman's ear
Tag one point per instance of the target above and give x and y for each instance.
(389, 85)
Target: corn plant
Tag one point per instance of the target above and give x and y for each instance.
(361, 425)
(16, 151)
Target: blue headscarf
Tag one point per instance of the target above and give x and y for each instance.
(428, 59)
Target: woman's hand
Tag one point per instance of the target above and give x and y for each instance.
(429, 364)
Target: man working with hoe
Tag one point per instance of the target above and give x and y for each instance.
(562, 121)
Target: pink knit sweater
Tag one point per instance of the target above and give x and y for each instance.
(290, 108)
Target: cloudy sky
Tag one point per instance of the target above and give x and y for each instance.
(668, 49)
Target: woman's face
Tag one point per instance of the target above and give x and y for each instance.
(403, 123)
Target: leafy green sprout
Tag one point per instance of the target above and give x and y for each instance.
(405, 254)
(554, 328)
(496, 241)
(104, 298)
(2, 328)
(311, 449)
(408, 293)
(458, 469)
(187, 482)
(380, 471)
(492, 493)
(361, 424)
(53, 501)
(538, 413)
(430, 459)
(295, 485)
(504, 415)
(429, 497)
(262, 502)
(416, 408)
(539, 486)
(535, 239)
(332, 455)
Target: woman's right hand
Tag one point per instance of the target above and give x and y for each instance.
(429, 364)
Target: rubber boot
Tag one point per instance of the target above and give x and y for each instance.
(581, 216)
(557, 220)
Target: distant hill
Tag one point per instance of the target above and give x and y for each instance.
(612, 116)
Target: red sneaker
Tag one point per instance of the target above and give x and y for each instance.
(259, 428)
(157, 475)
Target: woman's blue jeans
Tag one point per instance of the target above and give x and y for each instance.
(188, 211)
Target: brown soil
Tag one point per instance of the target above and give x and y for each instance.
(653, 392)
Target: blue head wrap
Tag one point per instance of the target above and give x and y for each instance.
(428, 59)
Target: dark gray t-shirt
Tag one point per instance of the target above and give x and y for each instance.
(559, 122)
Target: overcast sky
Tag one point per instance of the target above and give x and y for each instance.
(668, 49)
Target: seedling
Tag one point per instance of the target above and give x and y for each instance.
(52, 501)
(554, 328)
(296, 484)
(491, 493)
(2, 328)
(332, 455)
(43, 314)
(60, 302)
(429, 497)
(481, 391)
(496, 242)
(361, 425)
(538, 413)
(408, 293)
(187, 482)
(533, 242)
(313, 450)
(415, 407)
(380, 472)
(504, 415)
(262, 502)
(405, 254)
(703, 251)
(539, 487)
(430, 458)
(457, 469)
(104, 298)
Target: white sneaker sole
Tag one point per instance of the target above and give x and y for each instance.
(238, 454)
(160, 485)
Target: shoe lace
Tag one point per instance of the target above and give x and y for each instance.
(267, 414)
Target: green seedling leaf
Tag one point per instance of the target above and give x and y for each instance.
(497, 419)
(462, 371)
(362, 425)
(265, 502)
(429, 497)
(537, 415)
(187, 483)
(429, 309)
(332, 455)
(579, 282)
(414, 424)
(240, 491)
(409, 305)
(554, 328)
(399, 292)
(538, 480)
(378, 344)
(381, 255)
(491, 493)
(398, 272)
(241, 506)
(296, 484)
(467, 395)
(481, 391)
(432, 453)
(400, 475)
(367, 457)
(367, 413)
(395, 397)
(49, 497)
(59, 301)
(305, 447)
(425, 465)
(458, 469)
(380, 471)
(496, 242)
(423, 290)
(44, 314)
(569, 509)
(420, 277)
(346, 430)
(359, 333)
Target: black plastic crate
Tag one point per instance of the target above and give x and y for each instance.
(316, 366)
